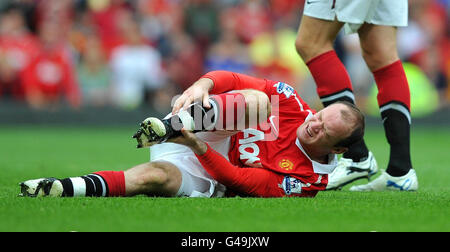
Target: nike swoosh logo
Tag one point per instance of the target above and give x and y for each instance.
(273, 124)
(310, 2)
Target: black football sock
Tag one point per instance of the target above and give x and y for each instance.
(396, 122)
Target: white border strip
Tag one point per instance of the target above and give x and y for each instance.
(79, 186)
(397, 107)
(345, 93)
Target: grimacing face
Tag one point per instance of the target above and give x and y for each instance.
(325, 129)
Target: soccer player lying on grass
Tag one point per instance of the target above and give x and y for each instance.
(260, 140)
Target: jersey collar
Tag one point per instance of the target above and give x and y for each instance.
(318, 167)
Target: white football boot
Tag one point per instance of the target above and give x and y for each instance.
(386, 182)
(154, 130)
(348, 171)
(41, 187)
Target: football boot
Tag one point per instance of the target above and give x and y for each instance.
(348, 171)
(386, 182)
(41, 187)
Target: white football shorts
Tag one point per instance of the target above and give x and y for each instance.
(196, 182)
(354, 13)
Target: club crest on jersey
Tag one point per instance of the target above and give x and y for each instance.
(291, 185)
(283, 88)
(286, 164)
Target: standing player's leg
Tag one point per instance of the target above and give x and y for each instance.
(315, 45)
(379, 49)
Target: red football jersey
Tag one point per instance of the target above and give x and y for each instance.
(274, 145)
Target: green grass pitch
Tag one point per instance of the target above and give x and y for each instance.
(28, 153)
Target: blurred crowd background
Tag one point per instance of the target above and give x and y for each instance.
(133, 53)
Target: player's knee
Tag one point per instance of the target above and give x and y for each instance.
(302, 47)
(152, 175)
(258, 105)
(158, 177)
(254, 95)
(377, 58)
(264, 106)
(308, 49)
